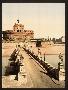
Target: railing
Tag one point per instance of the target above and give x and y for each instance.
(52, 71)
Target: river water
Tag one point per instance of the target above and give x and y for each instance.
(54, 59)
(4, 63)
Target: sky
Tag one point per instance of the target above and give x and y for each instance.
(45, 19)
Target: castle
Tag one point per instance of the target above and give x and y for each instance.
(18, 33)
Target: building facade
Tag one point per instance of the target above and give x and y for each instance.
(18, 33)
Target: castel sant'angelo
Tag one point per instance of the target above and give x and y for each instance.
(18, 33)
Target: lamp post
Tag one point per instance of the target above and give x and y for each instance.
(44, 57)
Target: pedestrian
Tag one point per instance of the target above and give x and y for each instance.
(59, 66)
(60, 56)
(44, 57)
(38, 50)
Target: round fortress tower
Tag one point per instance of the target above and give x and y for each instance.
(18, 27)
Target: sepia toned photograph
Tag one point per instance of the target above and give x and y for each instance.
(33, 45)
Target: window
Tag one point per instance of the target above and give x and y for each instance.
(24, 31)
(17, 30)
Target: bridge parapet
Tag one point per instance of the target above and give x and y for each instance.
(52, 71)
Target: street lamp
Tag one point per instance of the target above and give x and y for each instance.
(44, 57)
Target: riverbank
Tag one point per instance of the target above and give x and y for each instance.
(45, 48)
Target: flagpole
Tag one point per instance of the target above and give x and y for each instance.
(18, 13)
